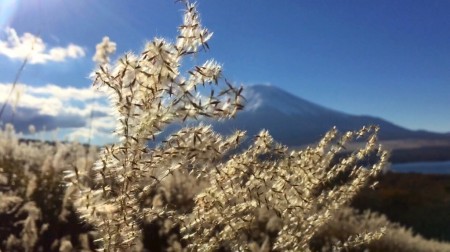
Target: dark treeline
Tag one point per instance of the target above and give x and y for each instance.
(418, 201)
(439, 153)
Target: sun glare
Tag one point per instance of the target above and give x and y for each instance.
(7, 11)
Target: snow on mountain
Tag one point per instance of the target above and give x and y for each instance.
(267, 96)
(294, 121)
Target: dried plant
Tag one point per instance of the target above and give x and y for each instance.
(34, 214)
(349, 222)
(302, 188)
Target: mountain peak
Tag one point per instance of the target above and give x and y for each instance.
(294, 121)
(263, 96)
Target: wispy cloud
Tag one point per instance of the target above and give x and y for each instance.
(33, 47)
(67, 108)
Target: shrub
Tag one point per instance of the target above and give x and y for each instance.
(302, 188)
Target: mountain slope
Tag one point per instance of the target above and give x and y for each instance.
(294, 121)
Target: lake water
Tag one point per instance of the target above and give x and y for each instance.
(423, 167)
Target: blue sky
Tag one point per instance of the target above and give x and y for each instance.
(389, 59)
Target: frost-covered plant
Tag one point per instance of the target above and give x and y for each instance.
(148, 91)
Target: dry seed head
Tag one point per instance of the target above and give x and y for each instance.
(103, 50)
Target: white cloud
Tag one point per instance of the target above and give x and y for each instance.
(55, 107)
(93, 135)
(44, 105)
(33, 47)
(65, 93)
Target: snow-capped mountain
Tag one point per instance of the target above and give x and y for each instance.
(260, 97)
(294, 121)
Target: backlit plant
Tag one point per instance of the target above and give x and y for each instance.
(302, 189)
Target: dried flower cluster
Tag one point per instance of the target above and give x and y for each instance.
(149, 93)
(302, 188)
(103, 50)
